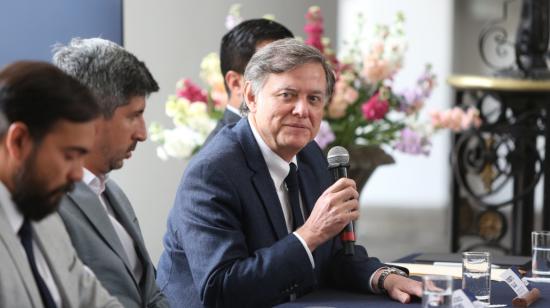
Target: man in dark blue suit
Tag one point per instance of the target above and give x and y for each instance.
(241, 234)
(237, 47)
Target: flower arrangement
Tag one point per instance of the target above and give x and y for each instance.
(194, 112)
(366, 109)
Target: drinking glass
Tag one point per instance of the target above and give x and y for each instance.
(437, 291)
(541, 253)
(476, 275)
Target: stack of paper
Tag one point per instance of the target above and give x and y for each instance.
(451, 269)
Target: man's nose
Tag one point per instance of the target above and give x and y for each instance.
(76, 173)
(301, 108)
(141, 131)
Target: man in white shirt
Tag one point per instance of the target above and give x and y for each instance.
(237, 47)
(46, 128)
(101, 221)
(256, 216)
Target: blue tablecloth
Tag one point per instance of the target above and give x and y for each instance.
(500, 294)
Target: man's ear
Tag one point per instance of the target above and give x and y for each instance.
(18, 141)
(235, 83)
(249, 97)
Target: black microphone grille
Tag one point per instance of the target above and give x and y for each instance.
(337, 155)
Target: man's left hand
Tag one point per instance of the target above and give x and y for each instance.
(401, 288)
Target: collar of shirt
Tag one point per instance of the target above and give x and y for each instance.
(96, 183)
(278, 167)
(233, 109)
(12, 213)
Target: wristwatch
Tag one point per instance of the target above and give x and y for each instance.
(385, 272)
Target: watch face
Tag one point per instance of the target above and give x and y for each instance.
(492, 225)
(398, 272)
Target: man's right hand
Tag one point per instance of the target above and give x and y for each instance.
(337, 206)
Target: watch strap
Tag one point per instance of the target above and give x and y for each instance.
(386, 271)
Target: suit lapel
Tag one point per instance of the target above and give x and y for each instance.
(229, 117)
(88, 202)
(18, 257)
(261, 179)
(117, 199)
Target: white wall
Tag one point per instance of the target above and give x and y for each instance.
(172, 36)
(413, 181)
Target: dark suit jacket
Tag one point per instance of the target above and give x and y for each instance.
(229, 117)
(227, 244)
(99, 247)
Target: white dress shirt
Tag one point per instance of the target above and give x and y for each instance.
(97, 185)
(16, 222)
(278, 169)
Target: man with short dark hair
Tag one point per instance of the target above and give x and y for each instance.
(256, 216)
(47, 126)
(101, 221)
(237, 47)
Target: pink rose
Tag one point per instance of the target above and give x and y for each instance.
(456, 119)
(315, 41)
(375, 69)
(343, 91)
(343, 96)
(314, 28)
(192, 92)
(471, 118)
(350, 95)
(437, 120)
(374, 108)
(337, 109)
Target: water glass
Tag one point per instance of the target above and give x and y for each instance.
(437, 291)
(541, 253)
(476, 275)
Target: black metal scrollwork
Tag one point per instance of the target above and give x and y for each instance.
(487, 162)
(497, 167)
(530, 49)
(494, 36)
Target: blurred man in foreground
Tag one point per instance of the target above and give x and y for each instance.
(45, 133)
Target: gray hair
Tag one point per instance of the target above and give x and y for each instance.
(112, 73)
(282, 56)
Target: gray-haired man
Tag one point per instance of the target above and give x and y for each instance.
(256, 218)
(100, 219)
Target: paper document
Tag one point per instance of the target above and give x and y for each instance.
(455, 271)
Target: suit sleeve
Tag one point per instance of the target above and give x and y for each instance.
(92, 293)
(210, 225)
(159, 300)
(352, 273)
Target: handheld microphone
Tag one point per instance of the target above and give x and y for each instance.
(338, 164)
